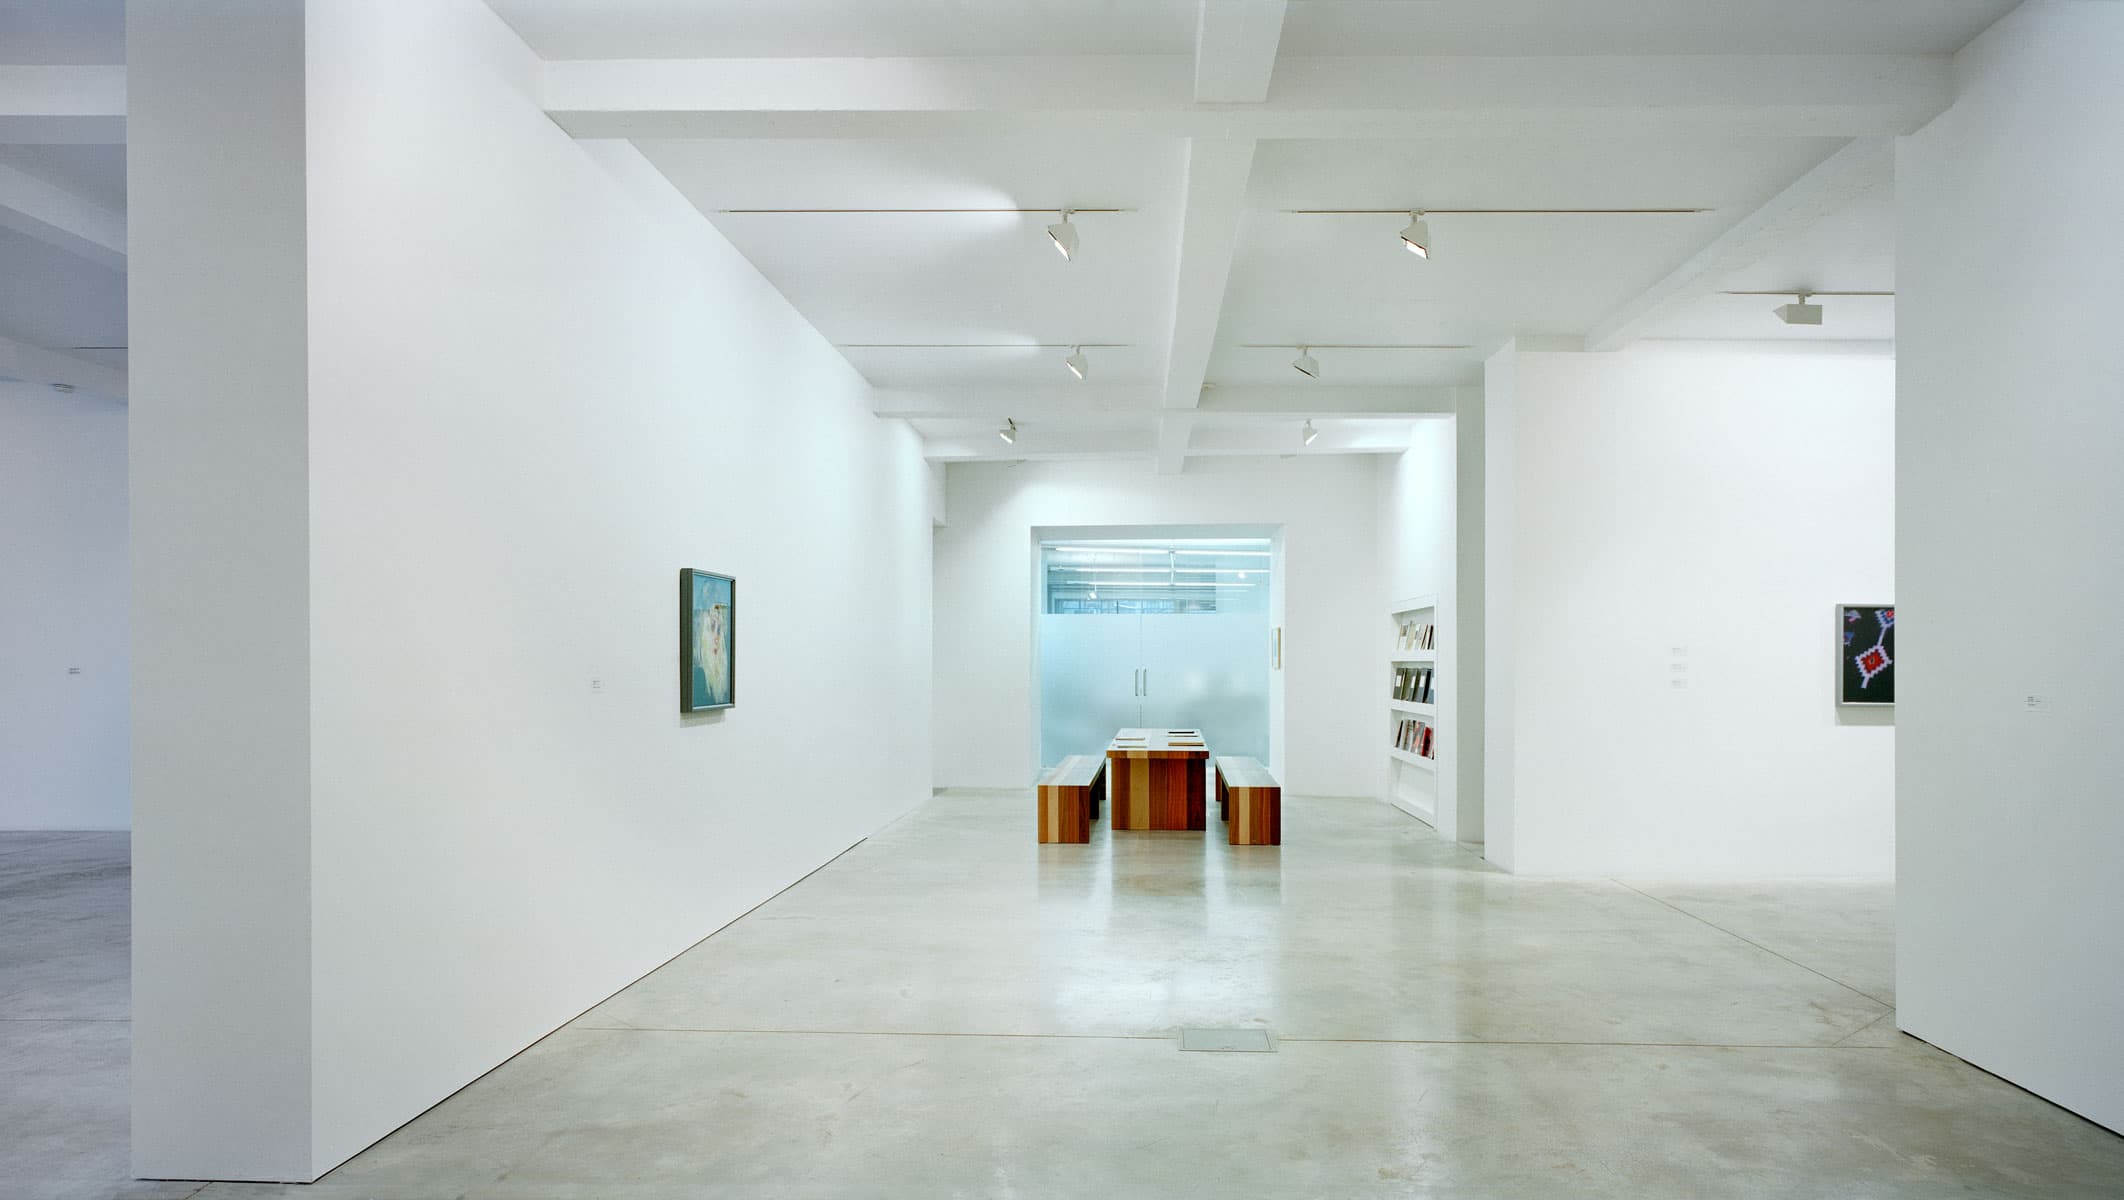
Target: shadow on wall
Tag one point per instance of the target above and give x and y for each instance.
(1865, 715)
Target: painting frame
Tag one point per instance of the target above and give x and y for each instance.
(711, 685)
(1855, 623)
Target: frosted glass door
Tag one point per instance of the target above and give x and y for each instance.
(1089, 667)
(1209, 672)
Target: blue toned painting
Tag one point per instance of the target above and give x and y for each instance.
(708, 628)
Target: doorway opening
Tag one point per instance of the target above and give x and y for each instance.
(1141, 630)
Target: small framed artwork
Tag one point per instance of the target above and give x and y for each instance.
(707, 641)
(1865, 654)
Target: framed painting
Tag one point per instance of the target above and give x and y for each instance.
(707, 641)
(1865, 654)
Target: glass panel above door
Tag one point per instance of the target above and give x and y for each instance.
(1171, 575)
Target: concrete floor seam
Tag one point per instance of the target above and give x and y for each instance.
(1281, 1038)
(1758, 945)
(1863, 1028)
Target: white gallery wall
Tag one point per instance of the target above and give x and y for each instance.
(2010, 425)
(1470, 693)
(1331, 611)
(1418, 537)
(63, 619)
(1671, 528)
(535, 384)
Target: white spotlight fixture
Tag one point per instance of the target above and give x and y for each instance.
(1075, 362)
(1310, 433)
(1064, 235)
(1800, 313)
(1416, 239)
(1305, 364)
(1009, 432)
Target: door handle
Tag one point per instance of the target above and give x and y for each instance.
(1146, 682)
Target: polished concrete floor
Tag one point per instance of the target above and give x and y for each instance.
(950, 1010)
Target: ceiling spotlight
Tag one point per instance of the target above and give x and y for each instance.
(1801, 313)
(1064, 236)
(1310, 433)
(1416, 239)
(1305, 364)
(1075, 362)
(1009, 432)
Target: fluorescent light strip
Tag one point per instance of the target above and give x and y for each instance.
(1156, 570)
(1156, 550)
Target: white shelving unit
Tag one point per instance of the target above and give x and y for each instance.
(1414, 760)
(1412, 780)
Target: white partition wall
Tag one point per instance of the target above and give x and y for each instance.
(2010, 435)
(1671, 527)
(432, 404)
(63, 619)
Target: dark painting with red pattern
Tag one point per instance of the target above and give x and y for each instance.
(1866, 674)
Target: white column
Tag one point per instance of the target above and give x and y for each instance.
(220, 564)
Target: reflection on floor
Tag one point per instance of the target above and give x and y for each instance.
(951, 1009)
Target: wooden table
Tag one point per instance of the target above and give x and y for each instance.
(1154, 778)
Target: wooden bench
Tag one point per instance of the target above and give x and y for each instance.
(1070, 793)
(1250, 802)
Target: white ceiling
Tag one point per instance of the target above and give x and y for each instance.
(1570, 27)
(53, 297)
(981, 279)
(95, 173)
(1206, 260)
(576, 29)
(992, 282)
(849, 28)
(62, 32)
(1849, 250)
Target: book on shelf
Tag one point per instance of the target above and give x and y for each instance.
(1415, 635)
(1416, 685)
(1417, 737)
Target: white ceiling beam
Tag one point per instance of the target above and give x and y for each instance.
(1222, 403)
(1862, 166)
(1333, 98)
(1385, 439)
(1211, 209)
(1176, 431)
(1226, 401)
(1086, 399)
(35, 364)
(1235, 49)
(1040, 444)
(52, 214)
(62, 105)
